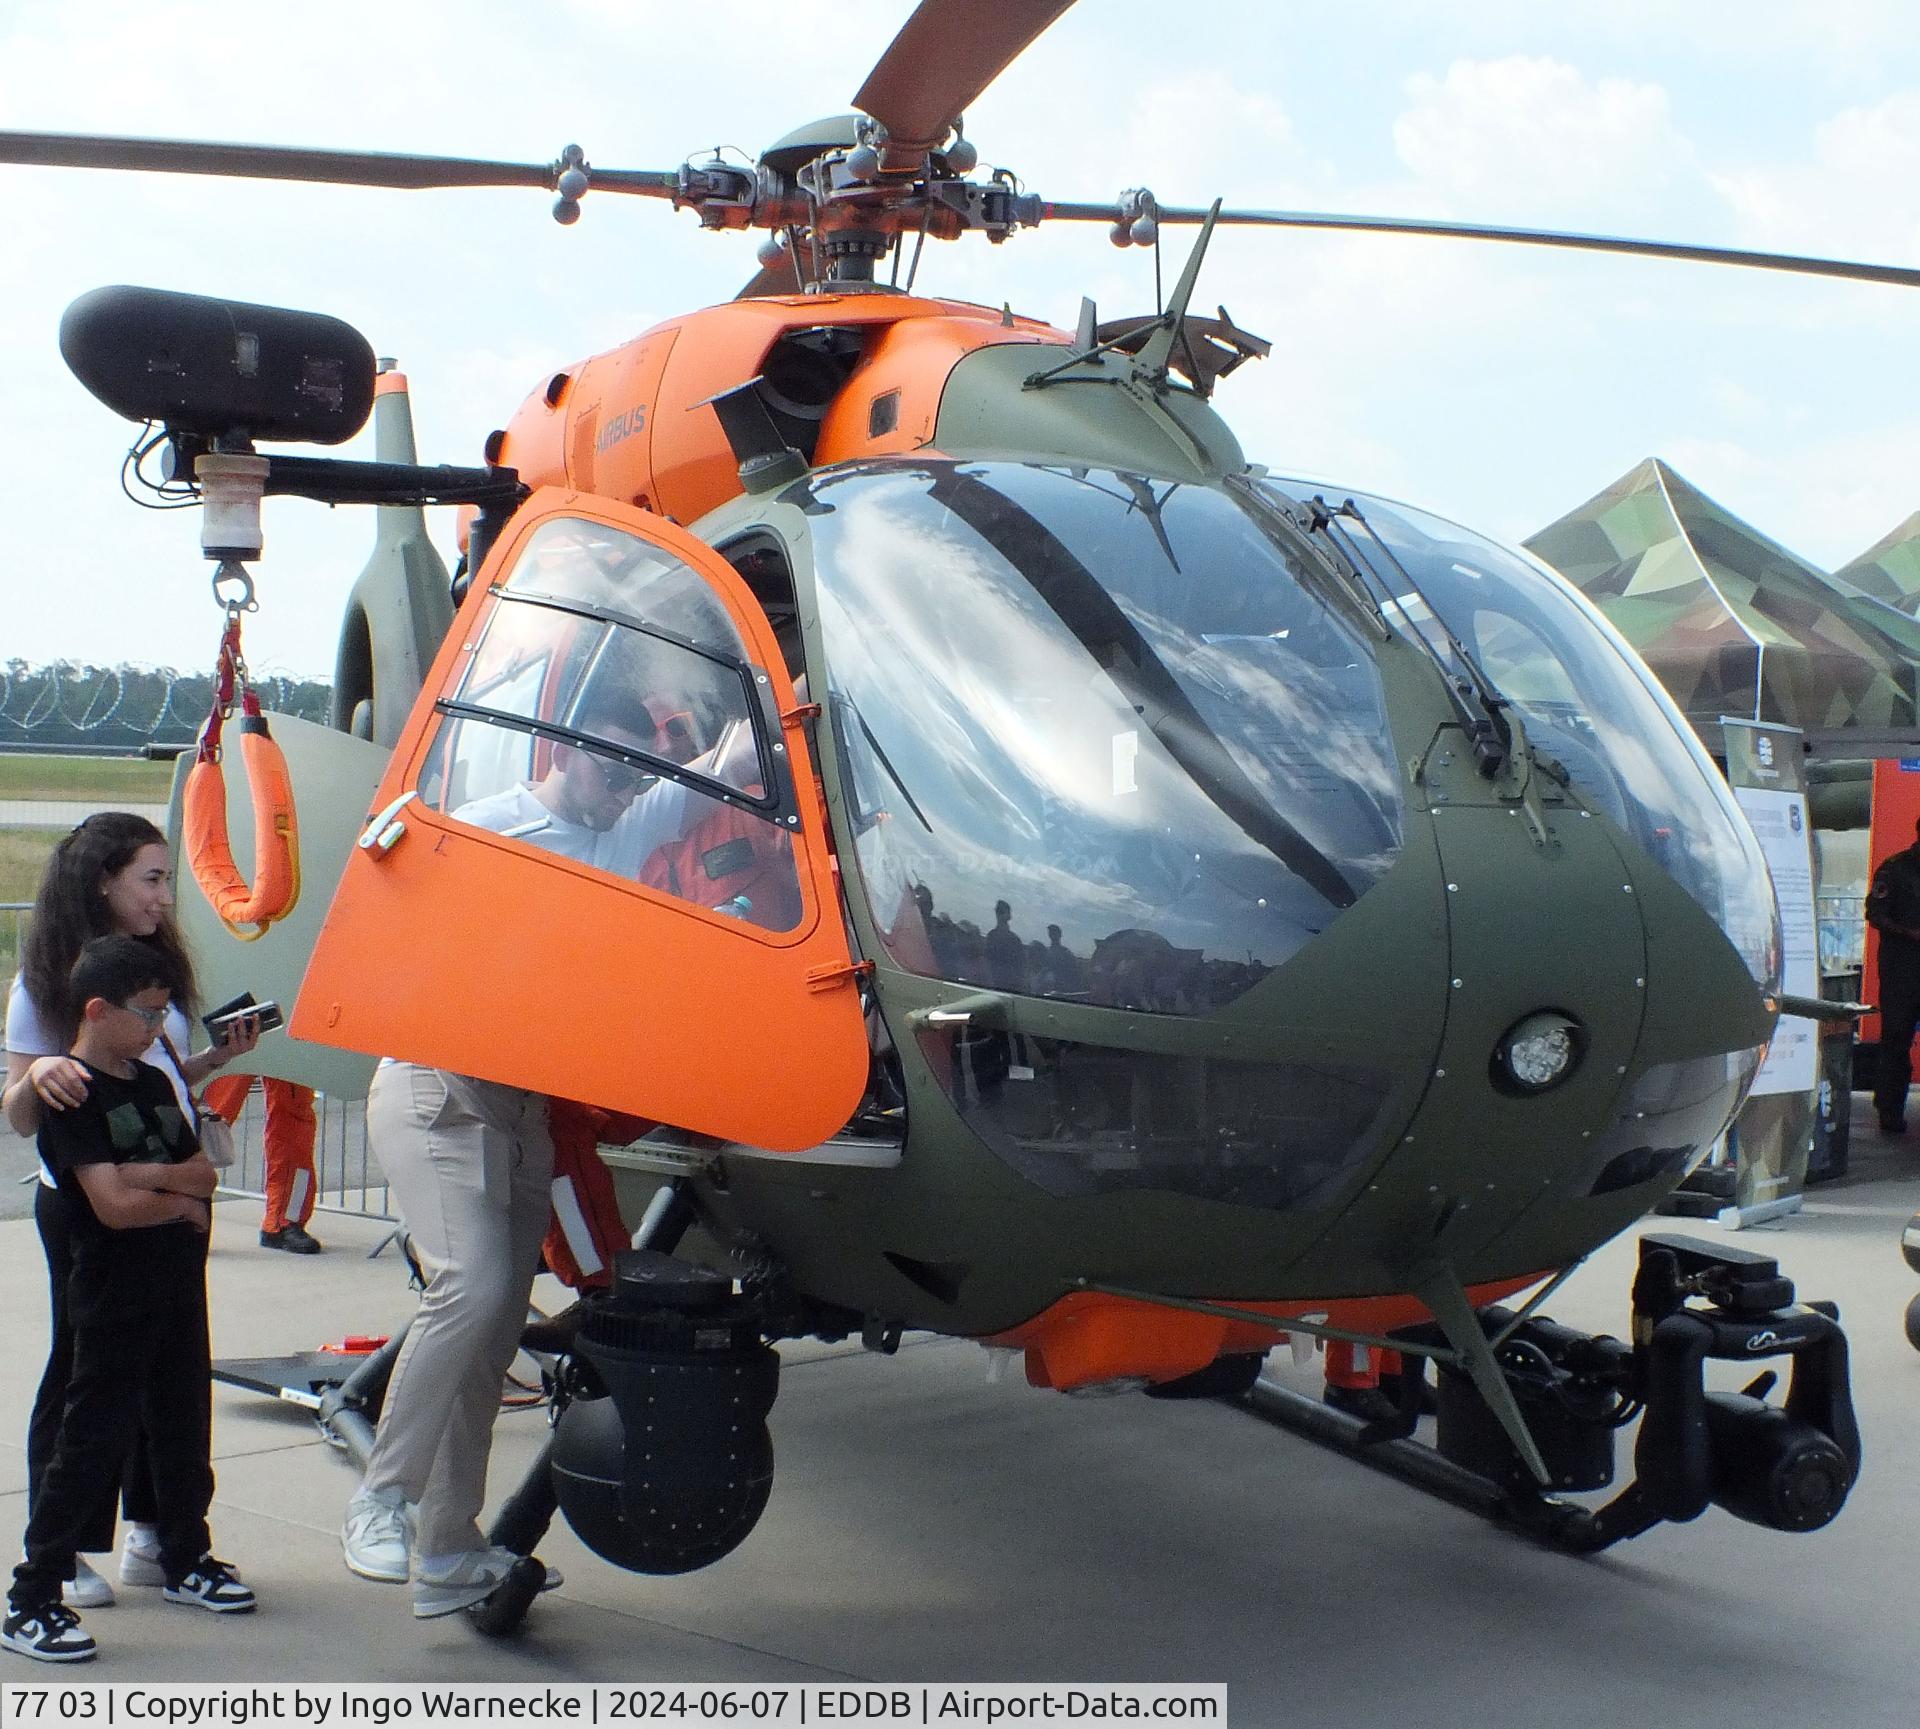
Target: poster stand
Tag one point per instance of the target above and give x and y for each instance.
(1773, 1135)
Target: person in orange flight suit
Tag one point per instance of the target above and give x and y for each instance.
(585, 1230)
(289, 1140)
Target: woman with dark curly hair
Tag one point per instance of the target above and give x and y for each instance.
(113, 875)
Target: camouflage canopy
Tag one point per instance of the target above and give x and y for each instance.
(1731, 622)
(1889, 570)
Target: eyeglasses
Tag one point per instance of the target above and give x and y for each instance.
(620, 777)
(154, 1018)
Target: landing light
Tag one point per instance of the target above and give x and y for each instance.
(1538, 1052)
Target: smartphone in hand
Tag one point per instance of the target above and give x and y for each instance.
(221, 1021)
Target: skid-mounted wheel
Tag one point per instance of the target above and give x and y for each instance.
(506, 1607)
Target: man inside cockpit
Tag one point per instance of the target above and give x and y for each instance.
(575, 806)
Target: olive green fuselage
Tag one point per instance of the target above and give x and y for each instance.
(1497, 906)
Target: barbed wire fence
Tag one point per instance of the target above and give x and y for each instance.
(75, 706)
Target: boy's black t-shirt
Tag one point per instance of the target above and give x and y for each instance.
(124, 1122)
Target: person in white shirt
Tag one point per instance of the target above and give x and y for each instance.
(574, 806)
(470, 1163)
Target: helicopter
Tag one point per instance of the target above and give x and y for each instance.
(1025, 787)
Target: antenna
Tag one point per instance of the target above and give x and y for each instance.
(1153, 360)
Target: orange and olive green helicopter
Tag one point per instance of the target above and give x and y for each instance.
(1062, 884)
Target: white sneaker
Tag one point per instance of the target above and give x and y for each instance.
(374, 1538)
(140, 1557)
(443, 1585)
(49, 1634)
(86, 1589)
(212, 1585)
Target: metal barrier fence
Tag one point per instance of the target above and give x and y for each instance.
(13, 926)
(347, 1177)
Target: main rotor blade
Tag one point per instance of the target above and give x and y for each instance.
(287, 162)
(945, 55)
(1900, 275)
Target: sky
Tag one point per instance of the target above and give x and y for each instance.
(1497, 385)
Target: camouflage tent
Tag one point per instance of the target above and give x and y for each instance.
(1889, 570)
(1731, 622)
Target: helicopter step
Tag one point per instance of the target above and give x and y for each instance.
(1785, 1466)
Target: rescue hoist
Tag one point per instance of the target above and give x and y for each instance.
(231, 486)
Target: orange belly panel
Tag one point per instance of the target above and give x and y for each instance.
(1090, 1337)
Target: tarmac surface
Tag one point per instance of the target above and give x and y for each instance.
(930, 1523)
(66, 813)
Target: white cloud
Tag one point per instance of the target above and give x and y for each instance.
(1500, 385)
(1527, 133)
(1857, 193)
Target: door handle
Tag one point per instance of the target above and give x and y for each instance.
(988, 1008)
(383, 834)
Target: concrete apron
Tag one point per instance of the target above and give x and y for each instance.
(930, 1523)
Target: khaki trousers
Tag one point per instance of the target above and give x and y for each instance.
(470, 1165)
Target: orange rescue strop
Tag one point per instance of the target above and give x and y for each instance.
(275, 888)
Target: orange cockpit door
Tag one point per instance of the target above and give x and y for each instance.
(598, 864)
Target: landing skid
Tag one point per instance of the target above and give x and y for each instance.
(1561, 1524)
(1560, 1397)
(502, 1612)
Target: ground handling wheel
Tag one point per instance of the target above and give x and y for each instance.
(501, 1612)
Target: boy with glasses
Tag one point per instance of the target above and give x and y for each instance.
(135, 1184)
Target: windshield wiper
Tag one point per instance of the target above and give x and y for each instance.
(842, 701)
(1486, 714)
(1101, 626)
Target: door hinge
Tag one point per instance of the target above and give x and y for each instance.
(831, 978)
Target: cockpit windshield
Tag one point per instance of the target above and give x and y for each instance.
(1108, 738)
(1586, 701)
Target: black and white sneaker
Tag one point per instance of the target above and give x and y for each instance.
(211, 1585)
(51, 1633)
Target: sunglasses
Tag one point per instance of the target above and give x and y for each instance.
(620, 777)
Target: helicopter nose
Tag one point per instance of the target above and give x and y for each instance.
(1545, 996)
(1595, 1022)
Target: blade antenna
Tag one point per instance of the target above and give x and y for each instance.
(1159, 348)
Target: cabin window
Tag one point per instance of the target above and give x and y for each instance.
(1105, 737)
(1587, 701)
(609, 715)
(1079, 1119)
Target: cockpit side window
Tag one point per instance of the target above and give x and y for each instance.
(609, 714)
(762, 564)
